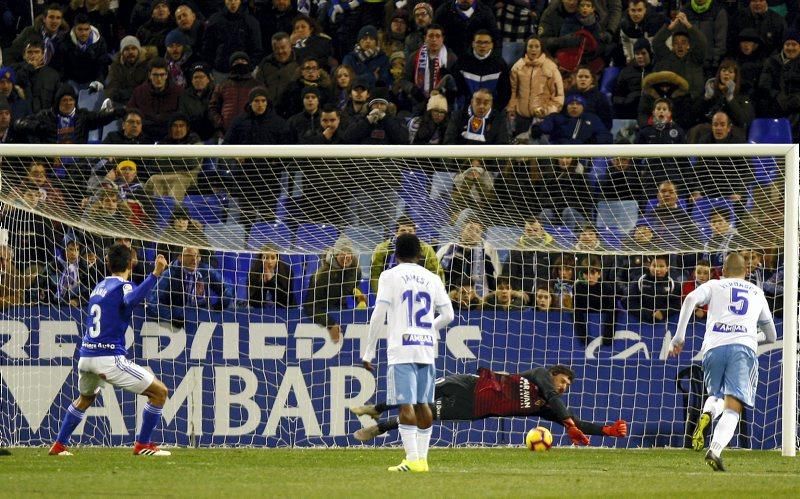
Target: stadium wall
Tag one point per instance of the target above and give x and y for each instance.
(267, 379)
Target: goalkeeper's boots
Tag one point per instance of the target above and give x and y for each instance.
(418, 466)
(149, 449)
(367, 434)
(698, 438)
(59, 449)
(714, 461)
(365, 410)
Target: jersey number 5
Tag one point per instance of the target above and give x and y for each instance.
(739, 301)
(418, 319)
(95, 311)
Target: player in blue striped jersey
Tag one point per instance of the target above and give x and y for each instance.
(102, 352)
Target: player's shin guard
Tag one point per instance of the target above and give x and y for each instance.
(408, 433)
(423, 442)
(723, 433)
(72, 418)
(150, 417)
(714, 406)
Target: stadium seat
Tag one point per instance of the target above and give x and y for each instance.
(764, 170)
(162, 208)
(206, 209)
(612, 238)
(315, 238)
(111, 127)
(503, 238)
(414, 187)
(704, 206)
(624, 131)
(608, 80)
(90, 101)
(225, 236)
(276, 233)
(442, 185)
(770, 131)
(563, 235)
(621, 215)
(234, 267)
(598, 172)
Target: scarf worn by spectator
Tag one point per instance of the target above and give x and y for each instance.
(66, 128)
(365, 55)
(465, 14)
(425, 78)
(476, 126)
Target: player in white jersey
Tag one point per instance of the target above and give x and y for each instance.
(736, 309)
(411, 295)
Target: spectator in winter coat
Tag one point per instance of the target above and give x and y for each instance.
(306, 121)
(310, 74)
(460, 19)
(779, 84)
(479, 123)
(230, 30)
(640, 22)
(628, 88)
(655, 295)
(660, 128)
(50, 27)
(422, 16)
(277, 70)
(83, 56)
(430, 128)
(132, 131)
(367, 59)
(378, 126)
(8, 132)
(39, 80)
(153, 32)
(128, 70)
(230, 97)
(195, 99)
(671, 86)
(536, 87)
(308, 42)
(470, 261)
(711, 19)
(179, 57)
(570, 200)
(596, 101)
(156, 99)
(687, 56)
(722, 94)
(269, 280)
(274, 16)
(427, 68)
(750, 55)
(481, 68)
(14, 95)
(573, 127)
(192, 26)
(768, 25)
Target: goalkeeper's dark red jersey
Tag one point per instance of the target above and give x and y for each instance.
(525, 394)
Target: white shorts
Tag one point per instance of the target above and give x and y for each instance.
(116, 370)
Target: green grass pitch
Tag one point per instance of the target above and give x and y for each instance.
(498, 472)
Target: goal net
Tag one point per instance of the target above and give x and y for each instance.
(551, 255)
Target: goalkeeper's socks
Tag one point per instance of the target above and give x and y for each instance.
(72, 418)
(388, 425)
(423, 441)
(408, 433)
(723, 433)
(150, 417)
(714, 406)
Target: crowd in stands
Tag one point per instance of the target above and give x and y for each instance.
(465, 72)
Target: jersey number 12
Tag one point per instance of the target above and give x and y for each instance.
(417, 319)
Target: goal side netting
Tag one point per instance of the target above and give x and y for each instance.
(551, 255)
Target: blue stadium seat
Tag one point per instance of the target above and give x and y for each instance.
(704, 206)
(611, 238)
(609, 79)
(275, 233)
(90, 101)
(206, 209)
(426, 231)
(234, 267)
(765, 170)
(598, 172)
(621, 215)
(504, 238)
(225, 236)
(414, 187)
(315, 238)
(442, 184)
(163, 207)
(770, 131)
(562, 234)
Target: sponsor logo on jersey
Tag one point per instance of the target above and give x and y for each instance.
(720, 327)
(423, 340)
(524, 393)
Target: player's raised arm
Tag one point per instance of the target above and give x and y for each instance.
(135, 295)
(696, 298)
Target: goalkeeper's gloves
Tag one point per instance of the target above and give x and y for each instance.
(618, 429)
(575, 433)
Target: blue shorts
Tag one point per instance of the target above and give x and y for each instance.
(410, 384)
(731, 370)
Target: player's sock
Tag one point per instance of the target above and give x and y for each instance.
(388, 425)
(408, 433)
(714, 406)
(423, 441)
(723, 433)
(150, 417)
(72, 418)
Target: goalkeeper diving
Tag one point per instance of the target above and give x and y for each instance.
(467, 397)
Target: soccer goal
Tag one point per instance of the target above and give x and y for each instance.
(551, 254)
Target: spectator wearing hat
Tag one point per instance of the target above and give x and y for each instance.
(460, 19)
(367, 59)
(596, 102)
(394, 39)
(308, 42)
(39, 80)
(431, 127)
(750, 55)
(8, 135)
(379, 126)
(179, 131)
(573, 126)
(196, 98)
(628, 87)
(156, 99)
(153, 32)
(230, 97)
(768, 25)
(83, 56)
(430, 67)
(357, 104)
(231, 30)
(191, 25)
(310, 75)
(779, 84)
(479, 123)
(687, 55)
(14, 95)
(639, 22)
(422, 17)
(482, 68)
(260, 125)
(179, 57)
(307, 120)
(668, 85)
(49, 26)
(279, 68)
(128, 69)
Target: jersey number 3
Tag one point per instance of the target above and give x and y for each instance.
(739, 301)
(95, 311)
(418, 319)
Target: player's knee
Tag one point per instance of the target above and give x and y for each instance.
(158, 393)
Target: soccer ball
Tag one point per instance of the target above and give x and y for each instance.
(539, 439)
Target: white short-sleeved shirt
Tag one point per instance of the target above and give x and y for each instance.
(412, 294)
(735, 307)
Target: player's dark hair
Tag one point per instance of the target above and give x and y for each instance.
(562, 369)
(119, 258)
(407, 248)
